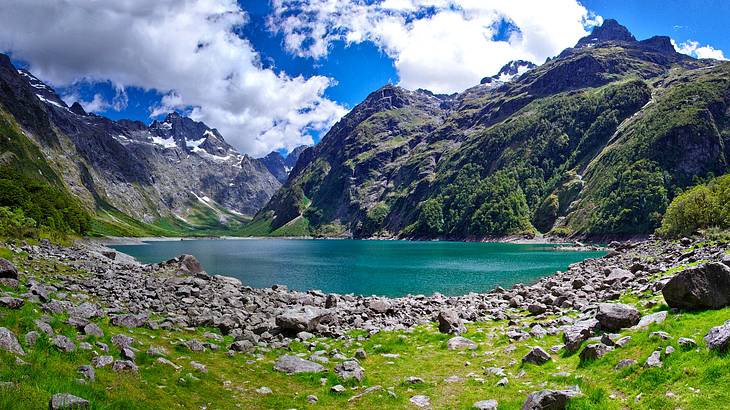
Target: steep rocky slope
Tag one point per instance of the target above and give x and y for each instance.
(176, 173)
(279, 165)
(596, 141)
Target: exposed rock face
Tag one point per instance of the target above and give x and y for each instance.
(293, 364)
(610, 30)
(701, 287)
(614, 317)
(281, 166)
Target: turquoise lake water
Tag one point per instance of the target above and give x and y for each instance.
(386, 268)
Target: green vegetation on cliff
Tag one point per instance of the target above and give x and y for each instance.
(701, 207)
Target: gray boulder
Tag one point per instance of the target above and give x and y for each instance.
(549, 399)
(381, 306)
(8, 270)
(615, 316)
(9, 342)
(87, 372)
(450, 322)
(658, 317)
(92, 329)
(63, 343)
(63, 401)
(130, 321)
(11, 302)
(305, 319)
(701, 287)
(579, 332)
(536, 356)
(718, 338)
(293, 364)
(125, 366)
(594, 351)
(350, 369)
(486, 405)
(460, 343)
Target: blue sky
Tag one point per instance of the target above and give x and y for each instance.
(272, 75)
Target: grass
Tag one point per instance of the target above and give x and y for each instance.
(689, 379)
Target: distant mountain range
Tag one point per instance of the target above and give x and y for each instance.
(594, 142)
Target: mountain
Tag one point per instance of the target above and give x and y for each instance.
(280, 166)
(509, 71)
(175, 174)
(594, 142)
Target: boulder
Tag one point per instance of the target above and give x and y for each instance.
(293, 364)
(623, 363)
(460, 343)
(130, 321)
(718, 338)
(125, 366)
(658, 317)
(380, 306)
(63, 401)
(86, 310)
(92, 329)
(350, 369)
(594, 351)
(63, 343)
(420, 401)
(618, 275)
(190, 264)
(655, 359)
(242, 346)
(11, 302)
(102, 361)
(486, 405)
(701, 287)
(579, 332)
(549, 399)
(8, 270)
(9, 342)
(306, 318)
(450, 322)
(536, 356)
(614, 316)
(87, 372)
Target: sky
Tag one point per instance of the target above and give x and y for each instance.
(275, 74)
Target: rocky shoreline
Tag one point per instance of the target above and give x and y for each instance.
(578, 304)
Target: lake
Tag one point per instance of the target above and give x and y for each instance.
(368, 267)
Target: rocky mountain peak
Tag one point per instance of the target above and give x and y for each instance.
(513, 69)
(77, 109)
(180, 131)
(279, 165)
(610, 30)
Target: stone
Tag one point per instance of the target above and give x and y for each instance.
(122, 341)
(63, 343)
(549, 399)
(87, 372)
(486, 405)
(414, 380)
(579, 332)
(365, 392)
(62, 401)
(199, 367)
(11, 302)
(311, 399)
(460, 343)
(92, 329)
(166, 362)
(718, 338)
(190, 264)
(8, 340)
(655, 359)
(304, 336)
(686, 343)
(293, 365)
(350, 369)
(330, 301)
(125, 366)
(8, 270)
(618, 275)
(658, 317)
(594, 351)
(195, 345)
(420, 401)
(380, 306)
(129, 354)
(701, 287)
(306, 318)
(615, 316)
(450, 322)
(536, 356)
(660, 335)
(537, 309)
(130, 321)
(86, 310)
(31, 337)
(360, 354)
(338, 388)
(263, 390)
(102, 361)
(623, 363)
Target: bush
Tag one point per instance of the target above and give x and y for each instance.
(702, 207)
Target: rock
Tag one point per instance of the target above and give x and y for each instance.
(8, 340)
(380, 306)
(125, 366)
(414, 380)
(537, 309)
(63, 343)
(44, 327)
(293, 364)
(31, 337)
(619, 275)
(360, 354)
(460, 343)
(41, 292)
(11, 302)
(311, 399)
(718, 338)
(129, 354)
(87, 372)
(669, 350)
(364, 392)
(658, 317)
(92, 329)
(420, 401)
(549, 400)
(304, 336)
(330, 301)
(130, 321)
(86, 310)
(263, 390)
(700, 287)
(624, 363)
(350, 369)
(614, 316)
(102, 361)
(199, 367)
(242, 346)
(536, 356)
(190, 264)
(62, 401)
(338, 388)
(486, 405)
(660, 335)
(164, 361)
(594, 351)
(686, 343)
(655, 359)
(503, 381)
(8, 270)
(450, 322)
(306, 318)
(122, 341)
(195, 345)
(575, 335)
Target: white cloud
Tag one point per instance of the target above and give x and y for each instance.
(693, 48)
(187, 49)
(441, 45)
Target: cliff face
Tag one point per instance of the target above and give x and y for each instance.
(177, 169)
(595, 141)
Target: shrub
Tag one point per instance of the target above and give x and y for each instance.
(702, 207)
